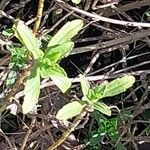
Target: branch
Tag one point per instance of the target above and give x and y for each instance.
(70, 129)
(112, 44)
(39, 16)
(97, 17)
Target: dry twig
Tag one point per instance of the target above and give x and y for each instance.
(104, 19)
(70, 129)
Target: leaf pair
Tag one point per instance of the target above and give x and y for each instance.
(46, 63)
(59, 47)
(91, 96)
(106, 89)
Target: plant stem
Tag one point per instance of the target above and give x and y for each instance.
(39, 16)
(70, 129)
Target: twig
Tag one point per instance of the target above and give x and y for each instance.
(138, 138)
(46, 31)
(108, 45)
(44, 13)
(89, 78)
(39, 16)
(3, 4)
(2, 13)
(22, 4)
(131, 67)
(28, 133)
(129, 6)
(104, 19)
(94, 7)
(7, 139)
(117, 63)
(70, 129)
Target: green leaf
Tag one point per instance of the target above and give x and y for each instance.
(97, 92)
(95, 138)
(8, 32)
(31, 91)
(76, 1)
(58, 52)
(120, 146)
(84, 85)
(60, 79)
(18, 57)
(70, 110)
(26, 37)
(57, 74)
(66, 33)
(46, 66)
(109, 127)
(11, 78)
(112, 129)
(118, 86)
(102, 107)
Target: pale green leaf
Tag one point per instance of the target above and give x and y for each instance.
(57, 74)
(70, 110)
(26, 37)
(66, 33)
(76, 1)
(118, 86)
(61, 81)
(84, 85)
(102, 107)
(58, 52)
(31, 91)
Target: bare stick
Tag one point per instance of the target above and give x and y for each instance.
(89, 78)
(101, 18)
(3, 4)
(39, 16)
(3, 14)
(28, 133)
(111, 45)
(7, 139)
(70, 129)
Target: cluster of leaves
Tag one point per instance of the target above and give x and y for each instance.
(45, 64)
(18, 56)
(18, 53)
(106, 127)
(93, 95)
